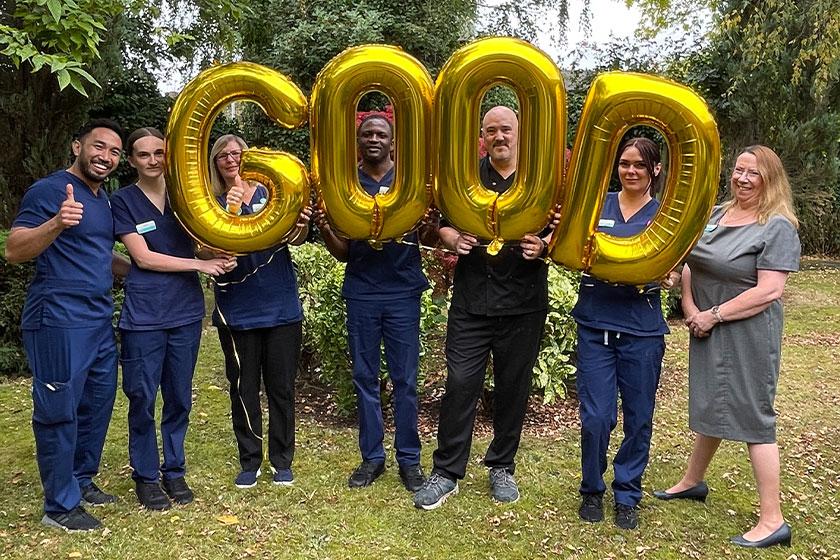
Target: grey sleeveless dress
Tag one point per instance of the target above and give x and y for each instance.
(733, 372)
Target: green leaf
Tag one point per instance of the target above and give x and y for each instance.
(83, 73)
(63, 79)
(56, 9)
(78, 87)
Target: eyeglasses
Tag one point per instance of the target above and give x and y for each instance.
(235, 154)
(751, 173)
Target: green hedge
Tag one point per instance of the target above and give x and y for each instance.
(325, 333)
(14, 280)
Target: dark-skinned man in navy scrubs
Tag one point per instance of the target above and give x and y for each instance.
(382, 288)
(64, 223)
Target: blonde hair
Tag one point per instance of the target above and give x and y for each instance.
(219, 186)
(776, 197)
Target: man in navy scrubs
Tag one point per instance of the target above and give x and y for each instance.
(382, 288)
(65, 224)
(499, 305)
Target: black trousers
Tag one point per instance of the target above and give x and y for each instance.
(514, 341)
(269, 355)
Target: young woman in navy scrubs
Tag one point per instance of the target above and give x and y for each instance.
(620, 347)
(160, 323)
(259, 319)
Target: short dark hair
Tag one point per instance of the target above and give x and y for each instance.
(88, 127)
(138, 134)
(380, 116)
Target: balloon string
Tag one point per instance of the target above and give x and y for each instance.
(233, 340)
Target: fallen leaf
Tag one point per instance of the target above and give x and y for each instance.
(228, 519)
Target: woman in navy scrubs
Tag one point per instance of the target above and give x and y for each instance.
(259, 319)
(620, 347)
(160, 323)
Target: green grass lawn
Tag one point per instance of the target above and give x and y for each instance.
(320, 518)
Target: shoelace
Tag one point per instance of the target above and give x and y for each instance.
(502, 478)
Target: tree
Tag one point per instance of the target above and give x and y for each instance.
(771, 73)
(94, 47)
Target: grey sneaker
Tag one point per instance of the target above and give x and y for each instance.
(503, 486)
(434, 492)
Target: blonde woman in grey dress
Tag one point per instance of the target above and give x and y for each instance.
(732, 288)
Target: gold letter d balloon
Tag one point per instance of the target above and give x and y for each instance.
(437, 128)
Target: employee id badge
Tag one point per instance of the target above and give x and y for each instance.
(146, 227)
(606, 223)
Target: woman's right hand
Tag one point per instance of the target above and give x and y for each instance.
(217, 265)
(235, 195)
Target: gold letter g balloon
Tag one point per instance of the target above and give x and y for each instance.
(188, 135)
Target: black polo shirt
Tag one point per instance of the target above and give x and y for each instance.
(505, 284)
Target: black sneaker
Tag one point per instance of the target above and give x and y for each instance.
(77, 519)
(93, 496)
(365, 474)
(177, 489)
(626, 517)
(151, 496)
(592, 508)
(412, 477)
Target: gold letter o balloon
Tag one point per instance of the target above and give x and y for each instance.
(187, 175)
(616, 102)
(526, 206)
(338, 88)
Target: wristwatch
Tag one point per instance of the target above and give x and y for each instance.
(716, 313)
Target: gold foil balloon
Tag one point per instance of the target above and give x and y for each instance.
(335, 96)
(616, 102)
(187, 172)
(526, 206)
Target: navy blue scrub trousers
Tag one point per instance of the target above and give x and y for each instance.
(612, 363)
(150, 360)
(514, 341)
(73, 388)
(397, 322)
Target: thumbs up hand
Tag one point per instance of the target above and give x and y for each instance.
(235, 196)
(70, 213)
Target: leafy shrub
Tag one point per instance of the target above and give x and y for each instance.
(320, 279)
(14, 283)
(555, 360)
(14, 280)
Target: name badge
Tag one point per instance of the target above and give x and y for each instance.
(384, 190)
(146, 227)
(606, 223)
(259, 205)
(710, 227)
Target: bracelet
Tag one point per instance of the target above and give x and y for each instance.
(716, 313)
(544, 251)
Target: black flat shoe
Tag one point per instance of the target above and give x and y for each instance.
(780, 536)
(697, 492)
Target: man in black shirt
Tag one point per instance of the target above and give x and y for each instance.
(499, 305)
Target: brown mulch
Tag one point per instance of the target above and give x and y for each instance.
(316, 402)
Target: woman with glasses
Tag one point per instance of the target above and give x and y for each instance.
(160, 324)
(732, 290)
(259, 319)
(620, 347)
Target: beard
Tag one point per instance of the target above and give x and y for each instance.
(91, 172)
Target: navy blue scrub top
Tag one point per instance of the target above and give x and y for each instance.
(614, 307)
(72, 283)
(262, 290)
(390, 273)
(156, 300)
